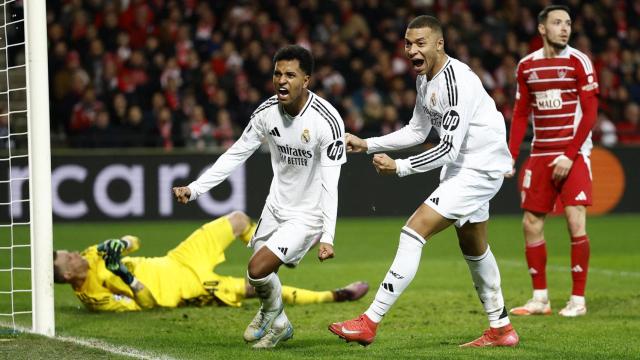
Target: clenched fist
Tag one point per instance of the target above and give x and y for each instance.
(182, 194)
(384, 164)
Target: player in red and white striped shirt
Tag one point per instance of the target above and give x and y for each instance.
(557, 86)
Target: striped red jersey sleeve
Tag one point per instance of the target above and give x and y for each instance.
(521, 111)
(587, 86)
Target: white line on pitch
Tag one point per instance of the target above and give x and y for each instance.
(119, 350)
(99, 344)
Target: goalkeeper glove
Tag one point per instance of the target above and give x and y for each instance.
(112, 249)
(121, 271)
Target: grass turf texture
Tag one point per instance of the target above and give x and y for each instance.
(437, 312)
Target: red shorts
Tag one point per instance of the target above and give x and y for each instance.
(538, 191)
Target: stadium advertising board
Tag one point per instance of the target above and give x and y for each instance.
(137, 187)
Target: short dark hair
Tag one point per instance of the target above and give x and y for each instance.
(58, 278)
(296, 52)
(544, 13)
(426, 21)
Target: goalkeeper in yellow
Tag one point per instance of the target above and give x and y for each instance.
(105, 281)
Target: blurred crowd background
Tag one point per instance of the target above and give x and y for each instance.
(188, 73)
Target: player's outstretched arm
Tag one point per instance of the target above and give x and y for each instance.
(182, 194)
(142, 295)
(355, 144)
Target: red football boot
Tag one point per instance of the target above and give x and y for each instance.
(503, 336)
(361, 330)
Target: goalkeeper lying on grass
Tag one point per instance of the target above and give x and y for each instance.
(104, 281)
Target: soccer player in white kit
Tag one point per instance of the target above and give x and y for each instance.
(305, 135)
(474, 157)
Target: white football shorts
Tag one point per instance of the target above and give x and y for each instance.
(464, 194)
(289, 240)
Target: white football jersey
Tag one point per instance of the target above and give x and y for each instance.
(471, 129)
(300, 146)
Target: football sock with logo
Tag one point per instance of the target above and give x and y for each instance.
(579, 263)
(486, 278)
(297, 296)
(269, 291)
(536, 254)
(404, 268)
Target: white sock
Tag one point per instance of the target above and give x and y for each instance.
(269, 291)
(541, 295)
(486, 278)
(577, 299)
(404, 268)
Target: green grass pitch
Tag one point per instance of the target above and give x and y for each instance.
(436, 313)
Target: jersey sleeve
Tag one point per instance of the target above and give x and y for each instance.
(115, 303)
(332, 156)
(587, 86)
(411, 134)
(521, 112)
(237, 154)
(332, 142)
(127, 297)
(455, 124)
(586, 80)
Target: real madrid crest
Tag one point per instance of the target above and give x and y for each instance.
(433, 99)
(305, 136)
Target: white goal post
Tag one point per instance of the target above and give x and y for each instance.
(35, 19)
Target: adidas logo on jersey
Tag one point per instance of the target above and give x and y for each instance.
(582, 196)
(275, 132)
(387, 286)
(283, 250)
(577, 269)
(435, 200)
(533, 76)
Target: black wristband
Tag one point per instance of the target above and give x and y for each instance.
(127, 277)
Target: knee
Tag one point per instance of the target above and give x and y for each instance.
(255, 270)
(259, 267)
(576, 226)
(239, 222)
(532, 224)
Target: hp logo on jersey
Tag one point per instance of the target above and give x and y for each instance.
(450, 120)
(335, 150)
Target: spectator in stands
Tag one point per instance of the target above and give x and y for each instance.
(221, 51)
(604, 131)
(629, 129)
(102, 133)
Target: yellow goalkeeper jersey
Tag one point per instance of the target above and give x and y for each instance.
(183, 277)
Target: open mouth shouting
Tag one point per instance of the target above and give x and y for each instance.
(418, 64)
(283, 93)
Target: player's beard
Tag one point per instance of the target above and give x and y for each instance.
(557, 45)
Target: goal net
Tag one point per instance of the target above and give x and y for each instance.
(26, 280)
